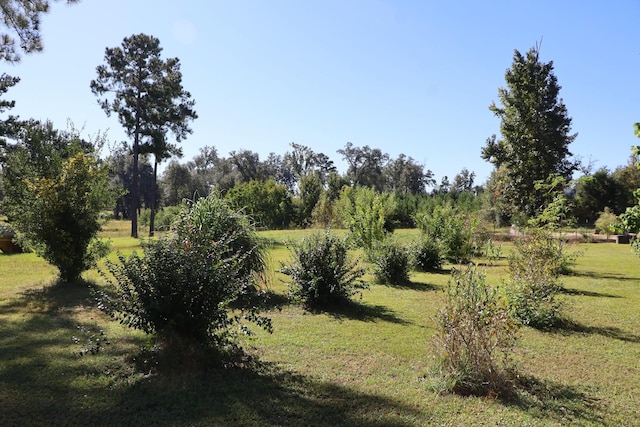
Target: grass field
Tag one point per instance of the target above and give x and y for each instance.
(366, 364)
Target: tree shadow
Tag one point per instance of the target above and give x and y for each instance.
(610, 276)
(361, 311)
(567, 326)
(550, 400)
(414, 286)
(569, 291)
(41, 386)
(51, 297)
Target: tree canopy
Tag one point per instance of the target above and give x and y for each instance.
(536, 133)
(146, 93)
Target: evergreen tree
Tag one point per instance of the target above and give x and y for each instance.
(536, 133)
(20, 20)
(147, 95)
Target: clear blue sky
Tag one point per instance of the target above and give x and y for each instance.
(412, 77)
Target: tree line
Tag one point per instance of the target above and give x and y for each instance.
(45, 170)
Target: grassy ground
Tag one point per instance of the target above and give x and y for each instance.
(363, 365)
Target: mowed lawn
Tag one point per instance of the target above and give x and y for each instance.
(366, 364)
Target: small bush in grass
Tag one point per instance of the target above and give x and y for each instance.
(427, 254)
(535, 263)
(192, 286)
(322, 272)
(475, 337)
(491, 252)
(391, 262)
(452, 229)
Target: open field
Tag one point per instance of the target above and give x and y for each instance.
(366, 364)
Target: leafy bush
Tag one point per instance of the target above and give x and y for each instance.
(321, 271)
(366, 214)
(426, 254)
(391, 262)
(606, 221)
(492, 252)
(474, 329)
(193, 284)
(536, 261)
(454, 230)
(164, 217)
(55, 189)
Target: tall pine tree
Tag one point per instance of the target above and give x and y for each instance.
(536, 133)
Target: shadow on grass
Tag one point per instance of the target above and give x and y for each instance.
(43, 381)
(259, 395)
(578, 292)
(361, 311)
(548, 400)
(608, 276)
(51, 297)
(413, 285)
(567, 326)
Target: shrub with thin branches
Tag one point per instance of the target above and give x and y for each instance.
(475, 337)
(535, 263)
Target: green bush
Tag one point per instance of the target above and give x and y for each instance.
(194, 284)
(474, 329)
(452, 229)
(391, 262)
(535, 263)
(321, 271)
(605, 222)
(163, 220)
(491, 252)
(367, 214)
(427, 254)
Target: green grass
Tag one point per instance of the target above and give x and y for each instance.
(364, 364)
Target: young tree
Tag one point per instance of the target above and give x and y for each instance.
(535, 128)
(55, 188)
(147, 95)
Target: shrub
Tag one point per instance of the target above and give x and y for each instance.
(453, 230)
(321, 271)
(193, 284)
(605, 222)
(426, 254)
(492, 252)
(55, 188)
(164, 217)
(391, 262)
(536, 261)
(366, 214)
(475, 337)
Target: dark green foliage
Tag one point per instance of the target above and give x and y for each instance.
(321, 271)
(146, 93)
(55, 188)
(427, 254)
(194, 284)
(536, 132)
(535, 263)
(164, 218)
(21, 21)
(452, 230)
(267, 202)
(391, 262)
(475, 337)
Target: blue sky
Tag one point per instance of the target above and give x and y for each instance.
(412, 77)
